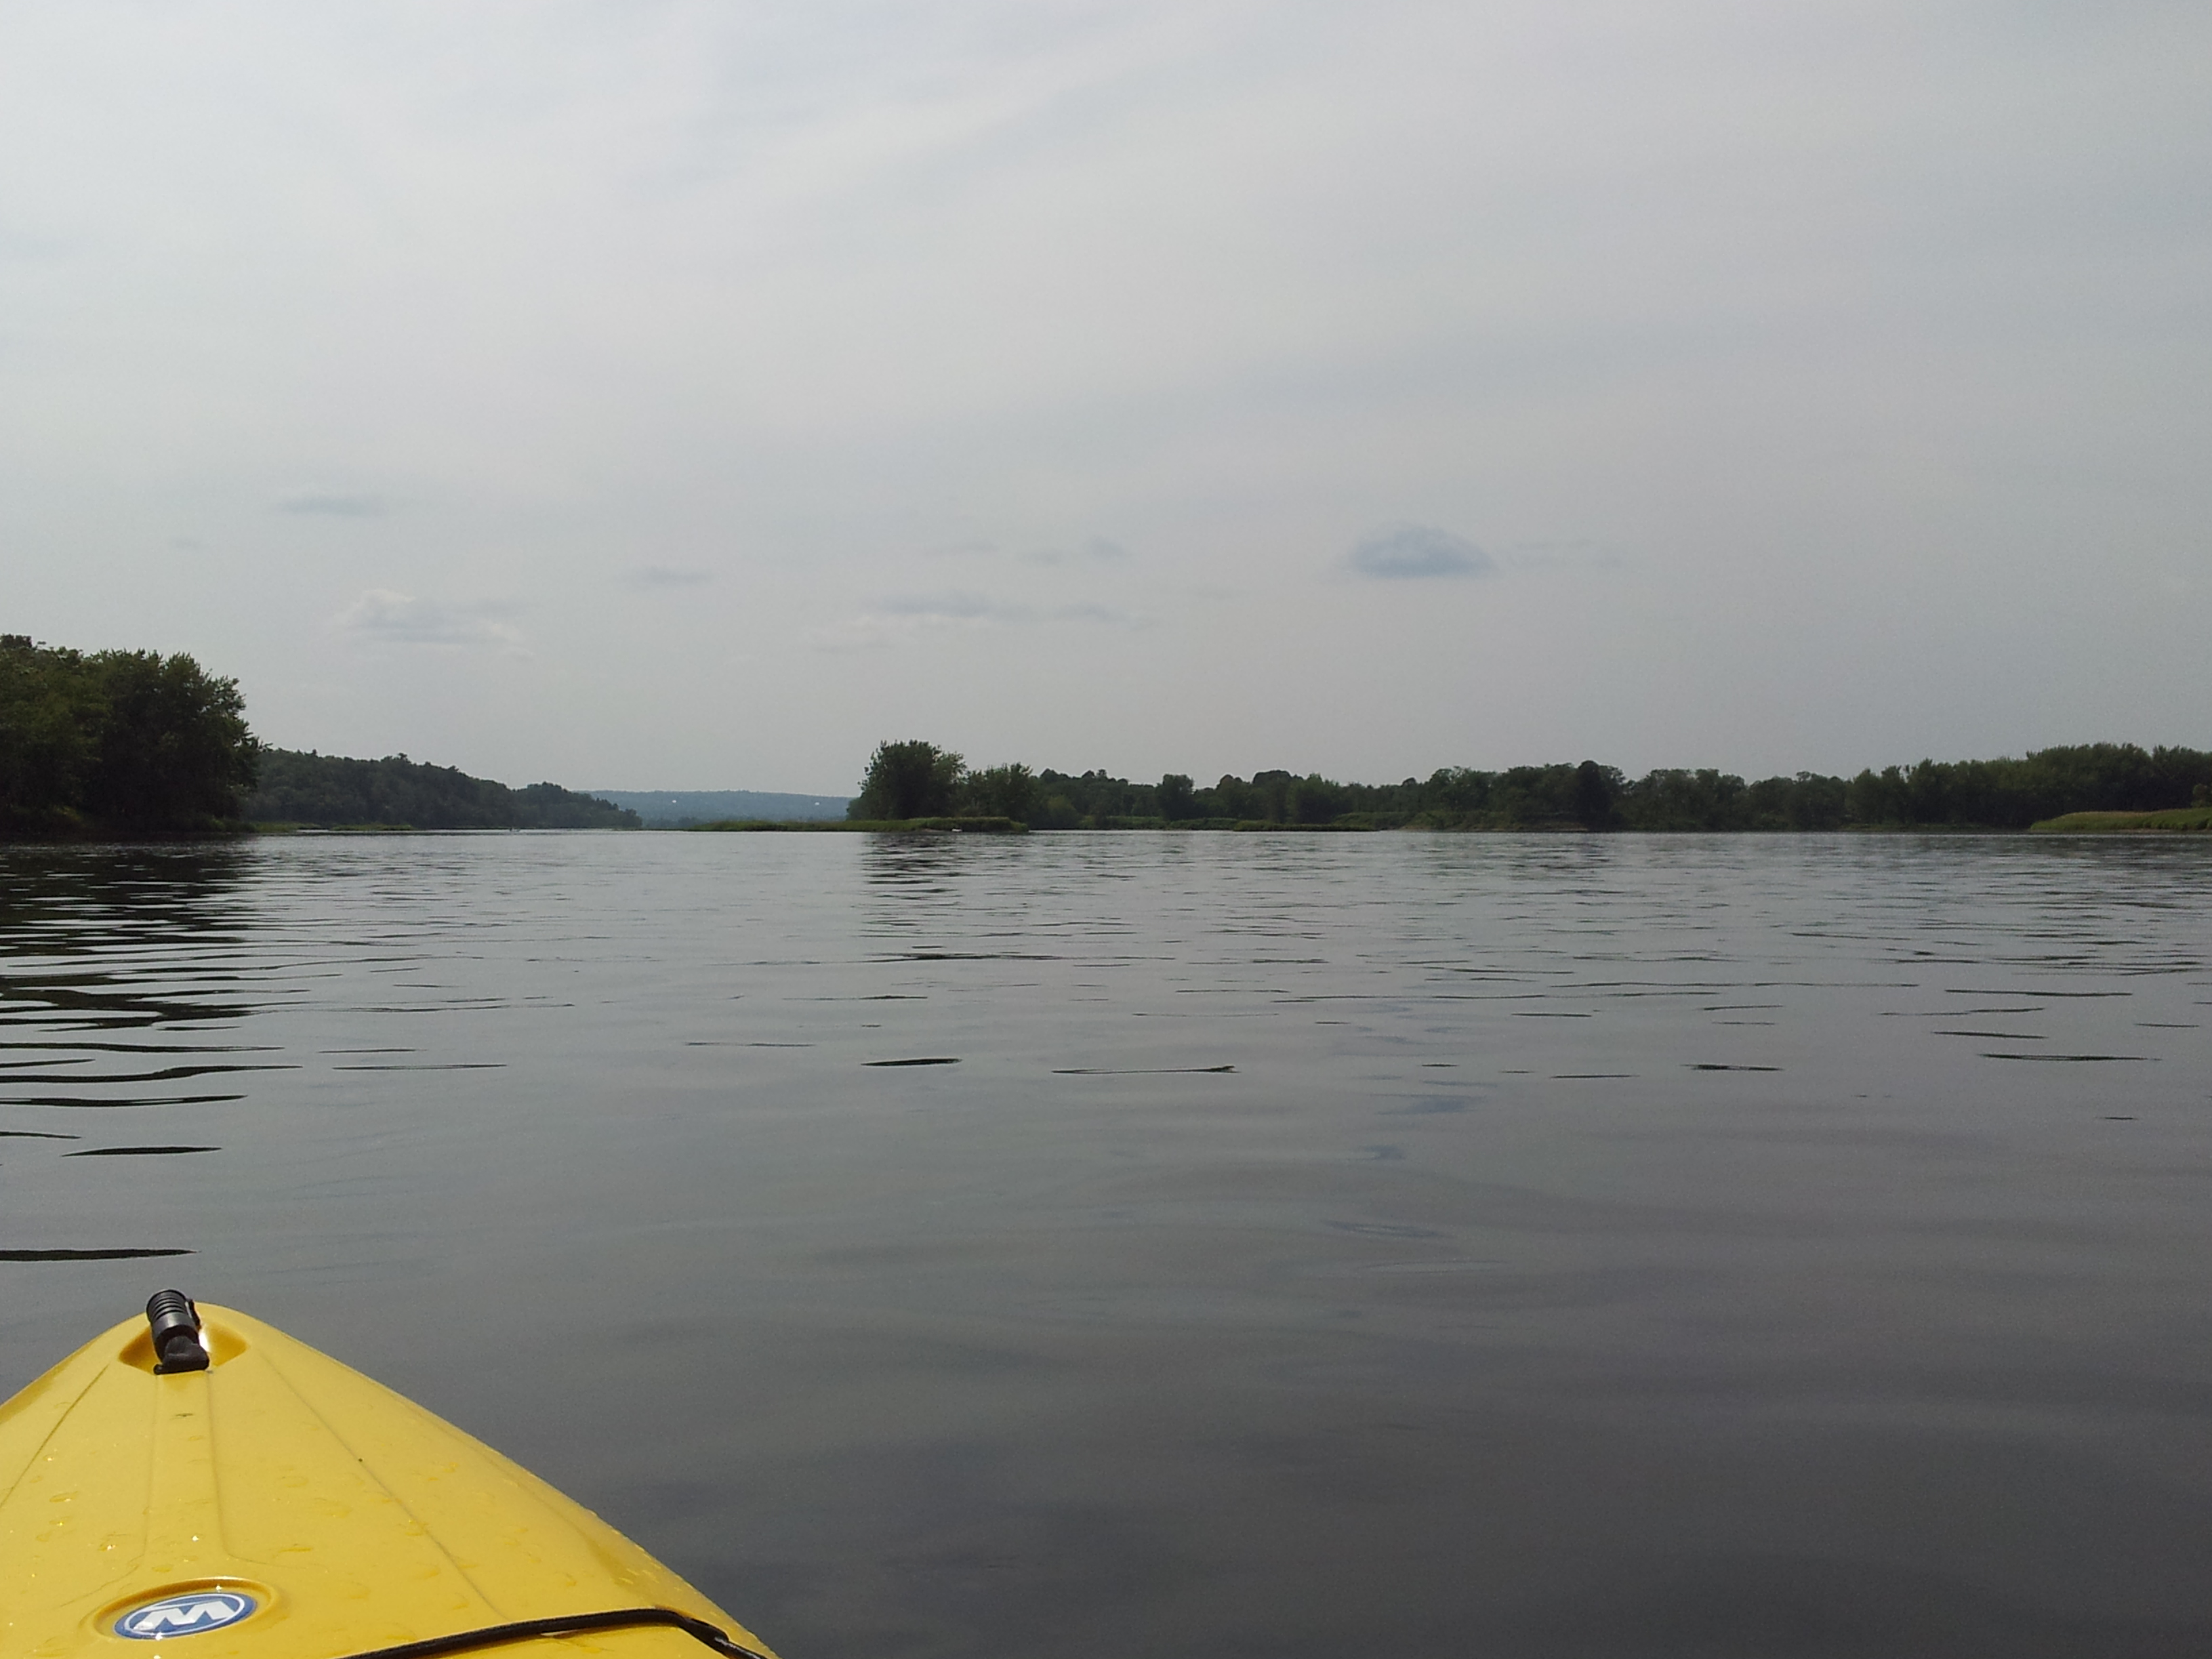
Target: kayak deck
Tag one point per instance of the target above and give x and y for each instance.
(277, 1504)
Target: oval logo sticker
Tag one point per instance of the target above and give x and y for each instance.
(186, 1615)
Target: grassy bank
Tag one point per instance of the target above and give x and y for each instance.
(2180, 819)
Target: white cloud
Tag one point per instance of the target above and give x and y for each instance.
(388, 617)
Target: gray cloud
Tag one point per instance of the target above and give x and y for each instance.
(1416, 550)
(387, 617)
(1105, 614)
(1832, 343)
(1096, 549)
(908, 615)
(20, 244)
(954, 606)
(320, 505)
(1575, 558)
(962, 606)
(649, 577)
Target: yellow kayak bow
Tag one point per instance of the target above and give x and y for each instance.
(196, 1485)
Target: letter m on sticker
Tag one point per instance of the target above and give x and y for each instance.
(182, 1616)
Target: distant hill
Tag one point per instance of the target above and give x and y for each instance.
(673, 809)
(331, 789)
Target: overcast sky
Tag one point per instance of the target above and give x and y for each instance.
(689, 396)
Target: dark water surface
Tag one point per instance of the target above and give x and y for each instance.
(1322, 1245)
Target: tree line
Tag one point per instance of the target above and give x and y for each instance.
(917, 780)
(110, 742)
(127, 742)
(133, 742)
(324, 791)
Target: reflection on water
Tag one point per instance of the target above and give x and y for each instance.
(1212, 1244)
(118, 970)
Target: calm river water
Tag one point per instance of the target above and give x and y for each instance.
(1292, 1246)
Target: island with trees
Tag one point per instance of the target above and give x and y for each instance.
(2085, 787)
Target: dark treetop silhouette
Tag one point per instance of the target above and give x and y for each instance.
(915, 779)
(117, 741)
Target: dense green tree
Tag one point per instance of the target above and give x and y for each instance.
(50, 711)
(1677, 799)
(1001, 792)
(128, 741)
(2006, 793)
(910, 780)
(1097, 800)
(2011, 794)
(1454, 791)
(550, 806)
(327, 790)
(1595, 787)
(1271, 795)
(173, 751)
(305, 787)
(1534, 797)
(1229, 798)
(1807, 801)
(1315, 800)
